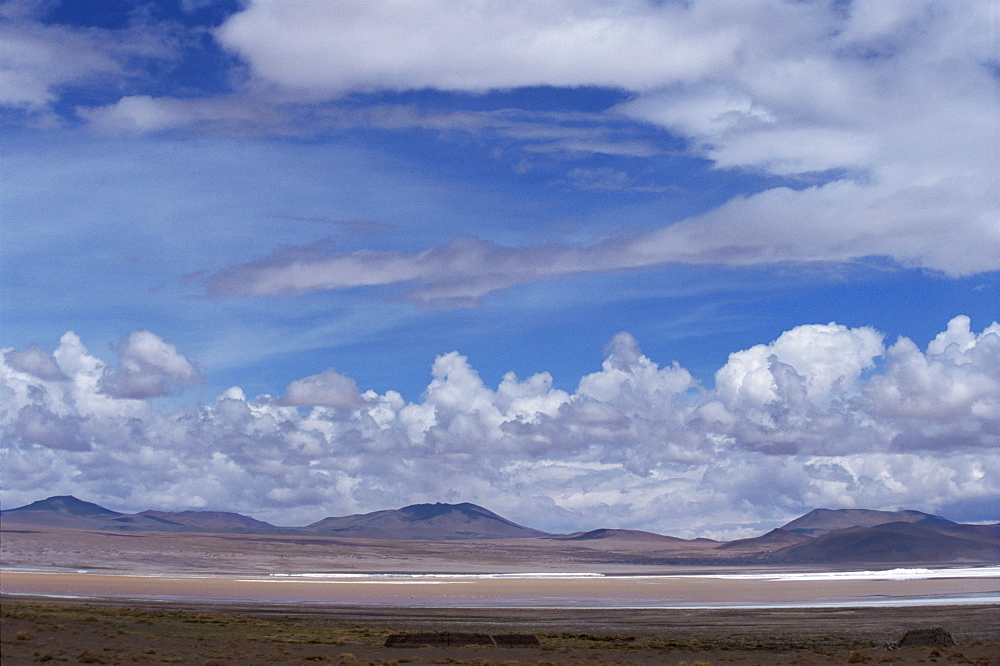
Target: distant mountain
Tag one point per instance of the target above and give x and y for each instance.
(631, 536)
(65, 505)
(69, 512)
(823, 521)
(430, 522)
(61, 511)
(206, 521)
(419, 521)
(822, 536)
(898, 542)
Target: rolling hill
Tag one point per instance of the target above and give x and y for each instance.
(776, 538)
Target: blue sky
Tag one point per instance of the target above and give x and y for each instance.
(743, 260)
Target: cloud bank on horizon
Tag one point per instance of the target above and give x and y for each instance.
(312, 199)
(824, 415)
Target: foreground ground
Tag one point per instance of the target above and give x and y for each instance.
(129, 617)
(35, 630)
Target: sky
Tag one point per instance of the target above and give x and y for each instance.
(689, 267)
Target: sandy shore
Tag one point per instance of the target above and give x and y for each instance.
(529, 592)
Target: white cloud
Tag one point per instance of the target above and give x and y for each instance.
(896, 99)
(629, 378)
(458, 273)
(144, 114)
(791, 425)
(798, 394)
(39, 426)
(148, 367)
(35, 361)
(331, 48)
(328, 389)
(893, 103)
(824, 359)
(37, 59)
(945, 397)
(946, 226)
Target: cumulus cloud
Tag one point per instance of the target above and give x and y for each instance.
(35, 361)
(148, 367)
(39, 426)
(823, 415)
(328, 389)
(809, 363)
(791, 395)
(956, 382)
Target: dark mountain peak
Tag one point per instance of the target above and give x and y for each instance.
(430, 511)
(67, 504)
(821, 521)
(465, 509)
(426, 521)
(443, 507)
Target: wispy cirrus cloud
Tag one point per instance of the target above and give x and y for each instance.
(894, 105)
(847, 221)
(459, 273)
(40, 61)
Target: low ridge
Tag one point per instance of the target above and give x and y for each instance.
(776, 538)
(901, 541)
(614, 534)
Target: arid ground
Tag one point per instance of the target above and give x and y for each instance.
(35, 630)
(204, 599)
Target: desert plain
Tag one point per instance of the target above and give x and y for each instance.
(80, 596)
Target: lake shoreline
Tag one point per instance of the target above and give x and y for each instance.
(518, 591)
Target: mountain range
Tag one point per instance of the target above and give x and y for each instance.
(820, 536)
